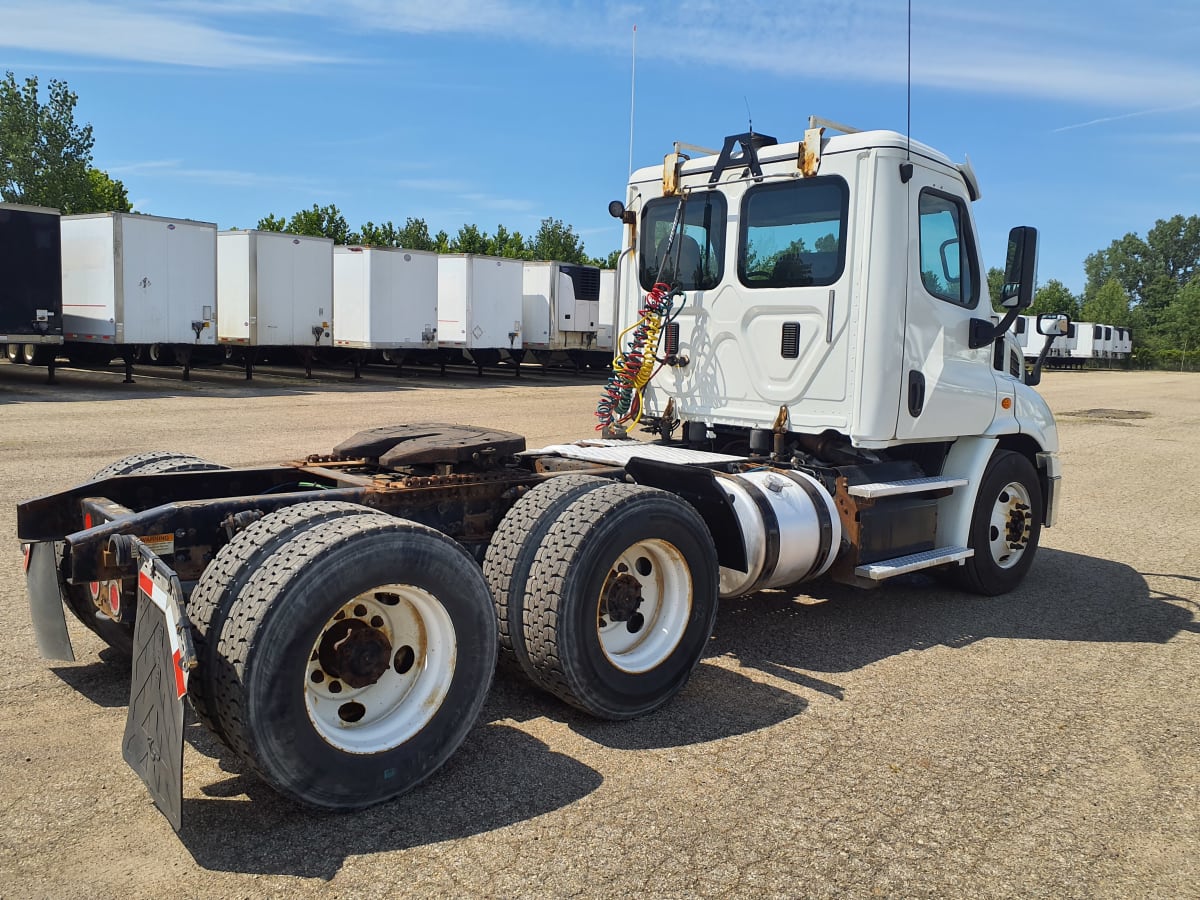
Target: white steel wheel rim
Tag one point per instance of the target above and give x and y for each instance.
(665, 581)
(383, 714)
(1010, 525)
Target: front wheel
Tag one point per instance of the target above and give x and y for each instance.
(622, 600)
(355, 660)
(1005, 526)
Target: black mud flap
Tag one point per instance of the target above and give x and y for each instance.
(162, 656)
(45, 601)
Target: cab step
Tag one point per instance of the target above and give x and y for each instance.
(914, 562)
(907, 486)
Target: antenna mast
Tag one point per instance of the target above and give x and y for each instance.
(908, 110)
(632, 94)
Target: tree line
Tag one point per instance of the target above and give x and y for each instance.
(554, 240)
(1150, 284)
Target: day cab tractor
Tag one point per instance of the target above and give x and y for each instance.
(811, 349)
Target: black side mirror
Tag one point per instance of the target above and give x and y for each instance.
(617, 210)
(1020, 271)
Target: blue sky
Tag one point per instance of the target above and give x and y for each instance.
(1081, 118)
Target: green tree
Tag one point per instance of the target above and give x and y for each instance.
(373, 235)
(995, 284)
(556, 241)
(610, 261)
(415, 235)
(511, 246)
(469, 240)
(107, 194)
(1053, 297)
(45, 157)
(1109, 305)
(441, 242)
(1183, 318)
(320, 221)
(272, 222)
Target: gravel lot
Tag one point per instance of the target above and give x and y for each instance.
(910, 741)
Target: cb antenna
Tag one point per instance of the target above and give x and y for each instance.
(749, 118)
(632, 94)
(908, 104)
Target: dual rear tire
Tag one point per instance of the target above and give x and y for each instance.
(610, 599)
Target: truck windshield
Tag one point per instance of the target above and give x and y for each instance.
(694, 259)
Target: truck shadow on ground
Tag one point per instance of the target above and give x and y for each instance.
(499, 777)
(833, 628)
(502, 775)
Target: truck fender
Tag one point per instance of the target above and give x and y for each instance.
(968, 457)
(701, 488)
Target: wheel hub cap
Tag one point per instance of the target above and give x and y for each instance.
(355, 652)
(622, 597)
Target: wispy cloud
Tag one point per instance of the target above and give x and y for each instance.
(460, 191)
(1072, 50)
(176, 169)
(143, 33)
(1158, 110)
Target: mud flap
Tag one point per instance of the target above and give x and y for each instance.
(45, 602)
(162, 656)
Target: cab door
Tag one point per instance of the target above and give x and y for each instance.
(947, 388)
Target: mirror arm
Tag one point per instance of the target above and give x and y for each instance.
(1034, 378)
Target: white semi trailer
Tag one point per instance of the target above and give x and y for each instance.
(384, 299)
(829, 393)
(480, 300)
(138, 287)
(275, 294)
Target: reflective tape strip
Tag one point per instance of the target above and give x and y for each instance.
(161, 597)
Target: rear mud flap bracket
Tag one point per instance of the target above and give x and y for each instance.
(162, 658)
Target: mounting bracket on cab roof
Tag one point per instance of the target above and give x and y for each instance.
(750, 144)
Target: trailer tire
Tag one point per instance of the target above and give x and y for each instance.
(1005, 526)
(314, 632)
(119, 635)
(13, 352)
(230, 570)
(514, 545)
(37, 354)
(623, 662)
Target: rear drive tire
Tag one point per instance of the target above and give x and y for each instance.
(81, 599)
(228, 573)
(622, 600)
(514, 545)
(356, 660)
(1005, 526)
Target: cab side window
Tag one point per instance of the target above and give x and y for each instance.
(946, 249)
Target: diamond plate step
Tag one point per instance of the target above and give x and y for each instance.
(887, 568)
(907, 486)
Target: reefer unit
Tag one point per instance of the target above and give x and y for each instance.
(134, 279)
(275, 289)
(479, 302)
(384, 298)
(561, 306)
(30, 275)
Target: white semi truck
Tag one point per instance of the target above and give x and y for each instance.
(809, 339)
